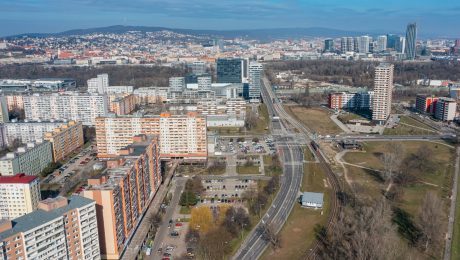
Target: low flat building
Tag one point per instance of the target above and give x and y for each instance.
(223, 121)
(65, 139)
(312, 200)
(31, 159)
(19, 195)
(62, 228)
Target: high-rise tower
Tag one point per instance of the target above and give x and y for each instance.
(411, 38)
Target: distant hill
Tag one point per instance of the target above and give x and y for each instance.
(258, 34)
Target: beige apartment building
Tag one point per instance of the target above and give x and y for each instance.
(61, 228)
(383, 89)
(65, 139)
(19, 195)
(122, 104)
(123, 193)
(181, 136)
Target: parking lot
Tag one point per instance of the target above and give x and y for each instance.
(226, 190)
(245, 146)
(85, 160)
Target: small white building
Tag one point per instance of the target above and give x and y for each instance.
(312, 200)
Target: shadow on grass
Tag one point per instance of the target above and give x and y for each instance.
(406, 226)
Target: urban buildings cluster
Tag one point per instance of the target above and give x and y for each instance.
(442, 108)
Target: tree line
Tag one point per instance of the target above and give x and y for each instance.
(361, 73)
(138, 76)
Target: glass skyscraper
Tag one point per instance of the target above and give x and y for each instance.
(230, 70)
(411, 38)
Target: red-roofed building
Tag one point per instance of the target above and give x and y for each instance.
(19, 195)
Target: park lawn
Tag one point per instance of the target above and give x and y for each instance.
(252, 169)
(403, 129)
(350, 116)
(456, 236)
(316, 119)
(262, 122)
(185, 210)
(365, 181)
(298, 233)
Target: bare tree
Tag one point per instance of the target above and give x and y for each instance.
(269, 235)
(392, 159)
(251, 120)
(430, 221)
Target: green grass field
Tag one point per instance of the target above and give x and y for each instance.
(409, 126)
(244, 170)
(317, 119)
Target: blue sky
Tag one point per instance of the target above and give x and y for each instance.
(433, 16)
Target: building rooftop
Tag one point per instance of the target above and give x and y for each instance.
(41, 217)
(18, 178)
(312, 197)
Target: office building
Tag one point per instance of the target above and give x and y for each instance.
(19, 195)
(98, 84)
(411, 40)
(401, 45)
(383, 88)
(177, 83)
(122, 105)
(204, 82)
(255, 80)
(70, 106)
(28, 131)
(65, 139)
(123, 193)
(62, 228)
(230, 70)
(352, 101)
(446, 109)
(347, 44)
(36, 85)
(381, 43)
(181, 136)
(197, 67)
(426, 104)
(30, 159)
(329, 45)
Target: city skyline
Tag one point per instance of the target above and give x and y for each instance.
(26, 16)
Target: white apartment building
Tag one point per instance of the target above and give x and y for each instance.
(31, 159)
(19, 195)
(177, 83)
(181, 136)
(383, 88)
(98, 84)
(204, 82)
(151, 95)
(446, 109)
(69, 106)
(255, 76)
(28, 131)
(62, 228)
(4, 116)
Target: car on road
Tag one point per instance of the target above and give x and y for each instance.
(166, 254)
(175, 233)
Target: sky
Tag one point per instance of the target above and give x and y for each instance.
(434, 17)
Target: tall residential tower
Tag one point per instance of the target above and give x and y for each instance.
(383, 87)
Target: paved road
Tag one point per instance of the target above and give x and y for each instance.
(291, 154)
(453, 204)
(134, 245)
(163, 230)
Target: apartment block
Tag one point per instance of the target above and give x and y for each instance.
(446, 109)
(14, 102)
(61, 228)
(383, 89)
(65, 139)
(123, 193)
(151, 95)
(31, 159)
(347, 100)
(122, 105)
(4, 116)
(69, 106)
(181, 136)
(19, 195)
(425, 104)
(28, 131)
(232, 107)
(98, 84)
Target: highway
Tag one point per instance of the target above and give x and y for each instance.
(291, 155)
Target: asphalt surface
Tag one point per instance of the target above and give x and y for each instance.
(292, 157)
(164, 228)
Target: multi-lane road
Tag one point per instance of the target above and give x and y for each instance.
(292, 157)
